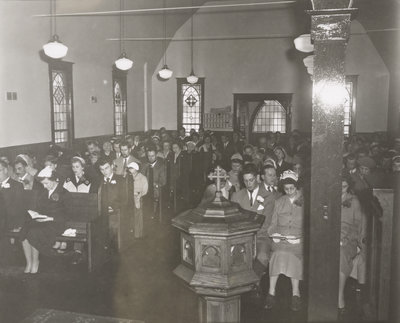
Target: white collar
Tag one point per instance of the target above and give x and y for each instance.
(255, 192)
(110, 178)
(23, 177)
(52, 190)
(5, 181)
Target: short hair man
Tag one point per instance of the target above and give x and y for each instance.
(121, 163)
(21, 174)
(255, 197)
(155, 171)
(11, 201)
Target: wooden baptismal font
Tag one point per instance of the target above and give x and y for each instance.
(217, 251)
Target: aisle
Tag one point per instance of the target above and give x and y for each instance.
(138, 284)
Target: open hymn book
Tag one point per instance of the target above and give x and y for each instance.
(34, 215)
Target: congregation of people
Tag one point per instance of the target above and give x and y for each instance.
(162, 173)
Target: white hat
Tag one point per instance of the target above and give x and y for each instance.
(45, 172)
(133, 165)
(289, 174)
(237, 156)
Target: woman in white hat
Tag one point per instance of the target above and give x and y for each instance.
(48, 221)
(286, 231)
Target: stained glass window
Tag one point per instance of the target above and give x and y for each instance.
(120, 103)
(349, 105)
(271, 116)
(61, 107)
(190, 105)
(119, 110)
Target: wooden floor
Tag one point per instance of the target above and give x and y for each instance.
(138, 284)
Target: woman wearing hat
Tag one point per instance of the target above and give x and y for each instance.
(48, 221)
(352, 234)
(281, 164)
(286, 231)
(79, 181)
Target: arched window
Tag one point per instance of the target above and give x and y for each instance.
(119, 95)
(271, 116)
(60, 74)
(350, 105)
(190, 104)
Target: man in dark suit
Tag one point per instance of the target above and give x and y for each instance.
(113, 196)
(227, 150)
(155, 172)
(12, 196)
(112, 188)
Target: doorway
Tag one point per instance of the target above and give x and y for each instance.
(255, 114)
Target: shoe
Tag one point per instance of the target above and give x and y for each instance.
(77, 258)
(269, 302)
(296, 303)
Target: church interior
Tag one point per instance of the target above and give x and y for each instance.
(154, 144)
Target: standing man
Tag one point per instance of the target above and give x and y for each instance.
(21, 174)
(121, 163)
(11, 201)
(155, 172)
(227, 151)
(137, 188)
(112, 194)
(256, 198)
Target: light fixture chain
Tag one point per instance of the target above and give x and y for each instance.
(120, 26)
(191, 33)
(165, 33)
(123, 26)
(55, 17)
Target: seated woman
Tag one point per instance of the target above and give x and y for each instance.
(286, 231)
(352, 235)
(80, 181)
(48, 221)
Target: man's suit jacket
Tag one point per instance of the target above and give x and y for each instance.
(227, 153)
(112, 194)
(14, 207)
(268, 202)
(159, 176)
(119, 164)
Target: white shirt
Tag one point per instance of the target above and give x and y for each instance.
(52, 190)
(254, 194)
(267, 187)
(5, 181)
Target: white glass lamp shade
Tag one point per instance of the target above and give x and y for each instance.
(303, 43)
(55, 49)
(192, 79)
(123, 63)
(310, 70)
(165, 73)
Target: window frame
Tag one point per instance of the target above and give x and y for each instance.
(285, 99)
(66, 69)
(180, 82)
(120, 77)
(352, 79)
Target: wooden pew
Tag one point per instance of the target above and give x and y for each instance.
(83, 215)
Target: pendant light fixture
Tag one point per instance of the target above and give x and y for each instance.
(54, 48)
(165, 73)
(192, 78)
(123, 63)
